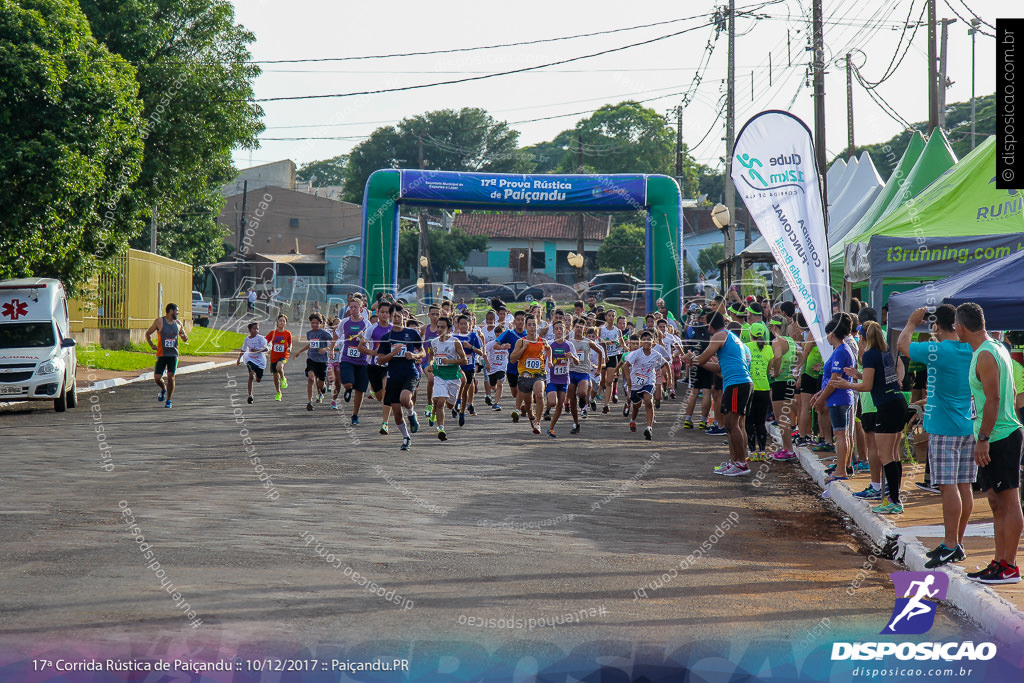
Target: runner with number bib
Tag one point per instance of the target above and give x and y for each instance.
(496, 358)
(280, 341)
(353, 368)
(562, 355)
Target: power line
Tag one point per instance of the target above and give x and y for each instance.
(503, 45)
(891, 69)
(958, 16)
(977, 16)
(485, 76)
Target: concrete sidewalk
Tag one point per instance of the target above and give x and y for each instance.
(919, 529)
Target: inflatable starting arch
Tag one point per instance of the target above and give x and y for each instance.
(657, 196)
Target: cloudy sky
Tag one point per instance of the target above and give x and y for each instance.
(680, 43)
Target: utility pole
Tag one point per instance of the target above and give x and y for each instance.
(941, 88)
(580, 246)
(730, 143)
(241, 231)
(975, 24)
(849, 105)
(679, 142)
(933, 75)
(424, 242)
(819, 92)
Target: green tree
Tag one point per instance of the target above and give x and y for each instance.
(327, 171)
(708, 258)
(70, 121)
(629, 138)
(623, 249)
(448, 250)
(546, 157)
(468, 139)
(196, 82)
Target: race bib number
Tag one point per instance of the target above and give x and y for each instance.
(532, 364)
(614, 350)
(278, 348)
(170, 343)
(401, 353)
(314, 343)
(642, 378)
(352, 352)
(561, 370)
(500, 358)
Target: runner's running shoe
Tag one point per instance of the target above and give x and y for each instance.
(583, 413)
(284, 382)
(414, 424)
(309, 405)
(738, 469)
(1001, 573)
(927, 486)
(605, 410)
(355, 419)
(575, 429)
(515, 416)
(167, 404)
(688, 424)
(657, 403)
(348, 395)
(715, 431)
(632, 426)
(784, 456)
(888, 507)
(383, 428)
(487, 400)
(471, 409)
(869, 493)
(277, 396)
(334, 404)
(462, 419)
(441, 434)
(496, 408)
(162, 395)
(249, 399)
(536, 427)
(943, 555)
(702, 425)
(648, 434)
(406, 443)
(976, 574)
(551, 433)
(723, 467)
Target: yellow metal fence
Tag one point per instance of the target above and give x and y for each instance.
(133, 293)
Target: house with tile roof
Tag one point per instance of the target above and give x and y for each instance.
(530, 246)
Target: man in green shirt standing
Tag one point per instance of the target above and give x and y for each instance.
(999, 440)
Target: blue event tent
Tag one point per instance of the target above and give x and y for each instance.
(997, 286)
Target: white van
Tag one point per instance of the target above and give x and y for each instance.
(37, 354)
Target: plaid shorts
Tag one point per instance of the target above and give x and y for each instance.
(952, 459)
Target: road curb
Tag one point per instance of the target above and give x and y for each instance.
(148, 376)
(994, 614)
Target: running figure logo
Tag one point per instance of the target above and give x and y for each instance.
(917, 594)
(748, 163)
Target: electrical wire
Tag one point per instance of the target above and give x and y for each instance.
(977, 16)
(961, 18)
(485, 76)
(893, 64)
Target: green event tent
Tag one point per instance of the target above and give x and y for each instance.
(935, 159)
(925, 233)
(842, 234)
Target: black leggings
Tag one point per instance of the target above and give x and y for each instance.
(757, 431)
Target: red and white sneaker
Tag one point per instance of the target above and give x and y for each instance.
(1000, 573)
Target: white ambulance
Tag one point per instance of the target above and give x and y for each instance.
(37, 353)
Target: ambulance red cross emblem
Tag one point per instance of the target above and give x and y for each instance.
(14, 309)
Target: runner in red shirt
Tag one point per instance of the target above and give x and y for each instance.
(280, 341)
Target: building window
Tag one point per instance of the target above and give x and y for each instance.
(293, 222)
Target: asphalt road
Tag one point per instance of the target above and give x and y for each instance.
(639, 541)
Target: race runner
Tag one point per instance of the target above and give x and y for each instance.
(402, 356)
(254, 351)
(562, 355)
(318, 340)
(496, 362)
(530, 355)
(641, 367)
(353, 371)
(580, 371)
(376, 371)
(169, 330)
(446, 358)
(280, 340)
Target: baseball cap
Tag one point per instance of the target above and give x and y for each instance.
(758, 330)
(694, 308)
(751, 299)
(738, 309)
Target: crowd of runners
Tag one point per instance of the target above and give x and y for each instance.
(741, 365)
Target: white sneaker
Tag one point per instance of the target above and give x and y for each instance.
(720, 469)
(737, 469)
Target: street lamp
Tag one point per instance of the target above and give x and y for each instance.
(722, 219)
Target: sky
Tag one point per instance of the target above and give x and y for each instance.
(771, 64)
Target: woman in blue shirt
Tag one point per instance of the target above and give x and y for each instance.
(840, 402)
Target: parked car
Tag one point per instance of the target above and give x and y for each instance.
(409, 294)
(202, 311)
(37, 354)
(613, 285)
(514, 291)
